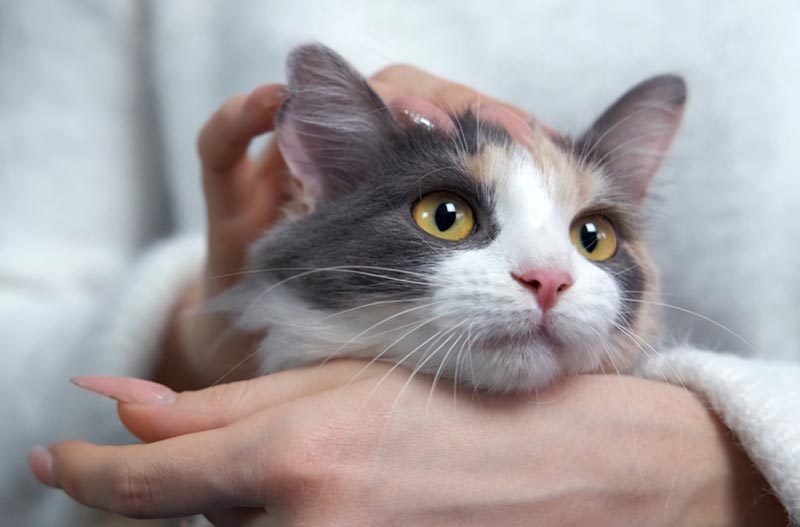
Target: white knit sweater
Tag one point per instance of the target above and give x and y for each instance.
(100, 103)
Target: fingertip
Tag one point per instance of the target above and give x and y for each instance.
(40, 461)
(192, 411)
(127, 389)
(267, 97)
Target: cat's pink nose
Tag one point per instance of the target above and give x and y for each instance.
(546, 284)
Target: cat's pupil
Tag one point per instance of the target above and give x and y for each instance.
(446, 215)
(589, 236)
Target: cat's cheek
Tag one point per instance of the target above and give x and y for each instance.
(584, 320)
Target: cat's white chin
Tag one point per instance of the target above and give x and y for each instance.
(514, 363)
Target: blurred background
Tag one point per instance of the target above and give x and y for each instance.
(101, 102)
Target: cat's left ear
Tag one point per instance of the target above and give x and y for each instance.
(629, 140)
(333, 127)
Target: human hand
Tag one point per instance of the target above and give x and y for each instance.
(349, 444)
(244, 197)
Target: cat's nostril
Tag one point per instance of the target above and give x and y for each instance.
(547, 285)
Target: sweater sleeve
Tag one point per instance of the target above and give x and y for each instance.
(84, 286)
(756, 399)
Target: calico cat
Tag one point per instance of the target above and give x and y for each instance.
(462, 254)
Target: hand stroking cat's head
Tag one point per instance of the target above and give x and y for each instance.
(457, 251)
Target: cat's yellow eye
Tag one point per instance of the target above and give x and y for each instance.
(594, 237)
(444, 215)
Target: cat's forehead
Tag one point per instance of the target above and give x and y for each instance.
(551, 163)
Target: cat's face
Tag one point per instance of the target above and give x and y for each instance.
(499, 265)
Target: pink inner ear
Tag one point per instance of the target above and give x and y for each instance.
(300, 164)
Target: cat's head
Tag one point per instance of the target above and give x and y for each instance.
(498, 265)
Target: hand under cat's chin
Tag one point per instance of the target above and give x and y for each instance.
(351, 443)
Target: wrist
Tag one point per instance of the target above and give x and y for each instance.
(177, 366)
(201, 349)
(724, 487)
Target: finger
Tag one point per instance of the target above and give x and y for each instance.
(153, 412)
(223, 141)
(180, 476)
(258, 205)
(224, 404)
(450, 97)
(244, 518)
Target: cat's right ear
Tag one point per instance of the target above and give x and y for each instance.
(629, 140)
(331, 129)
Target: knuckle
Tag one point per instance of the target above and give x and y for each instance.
(309, 461)
(227, 397)
(132, 492)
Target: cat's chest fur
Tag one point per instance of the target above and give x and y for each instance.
(500, 265)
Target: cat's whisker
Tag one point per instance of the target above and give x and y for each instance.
(458, 363)
(264, 293)
(634, 337)
(626, 270)
(643, 292)
(352, 271)
(470, 355)
(398, 363)
(438, 373)
(235, 367)
(392, 344)
(343, 268)
(371, 304)
(460, 135)
(430, 173)
(648, 349)
(377, 324)
(374, 389)
(451, 332)
(319, 323)
(699, 315)
(629, 410)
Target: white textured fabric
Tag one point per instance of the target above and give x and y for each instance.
(755, 398)
(101, 100)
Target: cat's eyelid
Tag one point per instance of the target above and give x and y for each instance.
(624, 219)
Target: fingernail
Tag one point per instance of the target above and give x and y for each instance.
(127, 389)
(41, 463)
(417, 119)
(415, 111)
(267, 97)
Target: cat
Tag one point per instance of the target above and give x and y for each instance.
(461, 254)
